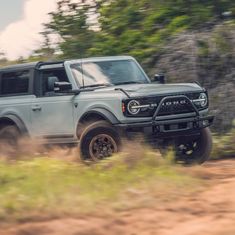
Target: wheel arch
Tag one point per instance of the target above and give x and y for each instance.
(13, 120)
(96, 114)
(100, 114)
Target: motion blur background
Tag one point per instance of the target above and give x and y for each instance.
(187, 40)
(138, 191)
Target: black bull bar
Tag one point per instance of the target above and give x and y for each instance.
(169, 125)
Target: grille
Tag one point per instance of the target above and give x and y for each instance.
(175, 105)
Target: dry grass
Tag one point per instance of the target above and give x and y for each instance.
(46, 185)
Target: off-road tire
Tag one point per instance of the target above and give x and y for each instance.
(91, 134)
(202, 149)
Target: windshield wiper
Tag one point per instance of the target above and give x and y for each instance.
(129, 82)
(97, 85)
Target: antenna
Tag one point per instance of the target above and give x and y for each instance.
(83, 82)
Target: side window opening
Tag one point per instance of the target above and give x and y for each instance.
(58, 73)
(15, 83)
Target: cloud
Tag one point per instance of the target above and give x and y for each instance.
(20, 38)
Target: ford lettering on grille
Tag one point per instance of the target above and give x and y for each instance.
(175, 106)
(176, 102)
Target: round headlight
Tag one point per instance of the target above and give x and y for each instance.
(133, 108)
(203, 100)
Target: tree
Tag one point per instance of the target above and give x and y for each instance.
(136, 27)
(70, 22)
(3, 59)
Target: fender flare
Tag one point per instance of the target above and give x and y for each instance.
(18, 122)
(106, 114)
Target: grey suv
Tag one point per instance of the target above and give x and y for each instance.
(97, 102)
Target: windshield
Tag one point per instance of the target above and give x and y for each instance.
(104, 73)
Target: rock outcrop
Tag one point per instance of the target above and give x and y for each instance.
(208, 57)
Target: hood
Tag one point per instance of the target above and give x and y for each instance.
(137, 90)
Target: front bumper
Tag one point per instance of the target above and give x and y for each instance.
(171, 125)
(168, 128)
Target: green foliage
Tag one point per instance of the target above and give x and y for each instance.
(135, 27)
(223, 145)
(69, 21)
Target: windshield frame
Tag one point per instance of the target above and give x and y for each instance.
(107, 59)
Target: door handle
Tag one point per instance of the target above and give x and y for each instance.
(36, 108)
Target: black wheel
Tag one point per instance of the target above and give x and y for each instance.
(195, 150)
(9, 136)
(98, 141)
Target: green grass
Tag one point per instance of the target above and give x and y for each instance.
(45, 187)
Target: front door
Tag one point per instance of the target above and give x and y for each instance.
(52, 113)
(52, 116)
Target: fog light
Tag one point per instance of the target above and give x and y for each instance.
(205, 122)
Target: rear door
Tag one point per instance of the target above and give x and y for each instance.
(15, 94)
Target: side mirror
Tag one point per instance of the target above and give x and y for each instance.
(62, 86)
(159, 78)
(51, 83)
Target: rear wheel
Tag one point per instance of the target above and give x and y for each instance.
(9, 136)
(195, 150)
(98, 141)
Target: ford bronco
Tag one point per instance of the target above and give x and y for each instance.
(96, 102)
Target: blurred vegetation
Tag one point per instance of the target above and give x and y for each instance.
(140, 28)
(48, 188)
(135, 27)
(187, 40)
(223, 146)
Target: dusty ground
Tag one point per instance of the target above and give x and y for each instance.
(208, 211)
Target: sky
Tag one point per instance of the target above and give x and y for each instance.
(6, 7)
(20, 24)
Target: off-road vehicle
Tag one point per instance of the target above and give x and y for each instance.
(96, 102)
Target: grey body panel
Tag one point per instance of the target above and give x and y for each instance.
(55, 118)
(52, 116)
(18, 110)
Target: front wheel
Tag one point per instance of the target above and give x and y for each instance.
(98, 141)
(195, 150)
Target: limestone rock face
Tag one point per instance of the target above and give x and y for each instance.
(208, 57)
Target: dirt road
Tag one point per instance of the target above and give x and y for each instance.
(210, 211)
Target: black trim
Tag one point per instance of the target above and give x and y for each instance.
(158, 128)
(172, 97)
(200, 90)
(123, 91)
(18, 122)
(30, 81)
(160, 99)
(104, 113)
(12, 68)
(41, 63)
(68, 136)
